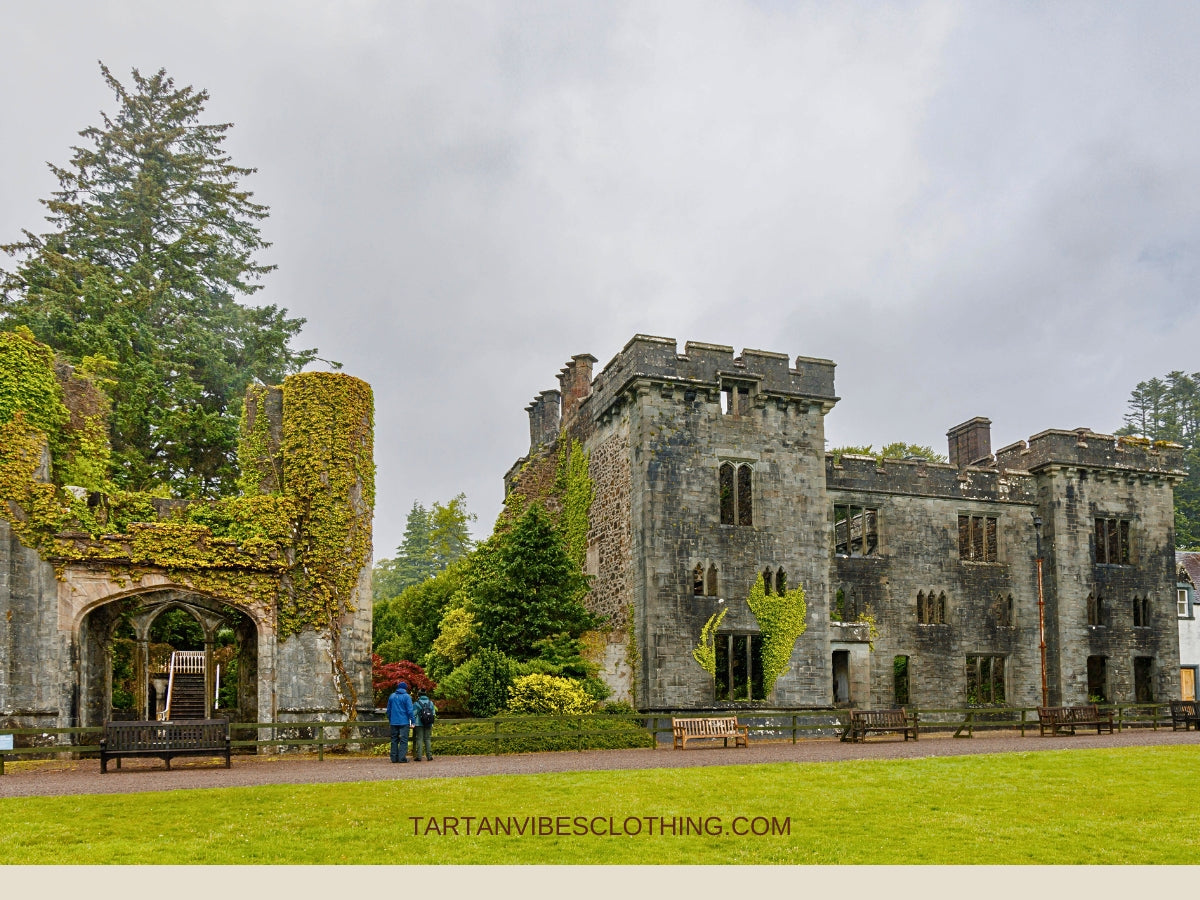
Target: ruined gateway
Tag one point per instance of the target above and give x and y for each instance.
(60, 608)
(710, 469)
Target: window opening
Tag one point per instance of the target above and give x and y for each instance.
(1141, 612)
(1097, 676)
(768, 580)
(712, 581)
(739, 667)
(985, 681)
(1004, 610)
(977, 538)
(1112, 542)
(727, 501)
(744, 501)
(1095, 609)
(781, 582)
(1181, 602)
(900, 691)
(698, 581)
(855, 530)
(841, 677)
(931, 610)
(1143, 679)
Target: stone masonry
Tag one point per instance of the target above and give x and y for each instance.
(948, 569)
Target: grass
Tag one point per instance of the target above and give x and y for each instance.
(1118, 806)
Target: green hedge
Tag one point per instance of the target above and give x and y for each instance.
(600, 732)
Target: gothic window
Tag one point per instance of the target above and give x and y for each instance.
(977, 538)
(727, 494)
(1095, 609)
(1112, 542)
(745, 513)
(712, 581)
(781, 582)
(768, 580)
(698, 580)
(1141, 612)
(931, 608)
(855, 530)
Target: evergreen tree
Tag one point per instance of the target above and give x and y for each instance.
(153, 241)
(1168, 409)
(530, 588)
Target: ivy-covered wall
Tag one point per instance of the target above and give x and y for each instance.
(294, 550)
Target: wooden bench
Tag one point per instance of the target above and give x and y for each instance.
(864, 721)
(1068, 718)
(725, 727)
(186, 737)
(1185, 713)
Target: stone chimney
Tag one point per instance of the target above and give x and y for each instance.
(575, 380)
(970, 442)
(543, 419)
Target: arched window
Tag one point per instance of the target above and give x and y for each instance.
(712, 581)
(745, 512)
(768, 580)
(698, 580)
(781, 582)
(728, 504)
(922, 612)
(940, 614)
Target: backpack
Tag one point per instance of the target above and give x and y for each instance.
(425, 712)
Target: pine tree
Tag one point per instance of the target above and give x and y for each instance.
(153, 241)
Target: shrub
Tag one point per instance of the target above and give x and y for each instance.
(385, 677)
(538, 733)
(548, 695)
(489, 679)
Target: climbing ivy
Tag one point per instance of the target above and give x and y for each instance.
(781, 622)
(705, 652)
(576, 492)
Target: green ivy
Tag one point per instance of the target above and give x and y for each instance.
(705, 652)
(781, 620)
(577, 493)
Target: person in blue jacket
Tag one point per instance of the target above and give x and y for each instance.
(400, 716)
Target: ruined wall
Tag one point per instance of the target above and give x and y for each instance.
(918, 507)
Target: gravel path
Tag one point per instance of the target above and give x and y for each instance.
(55, 777)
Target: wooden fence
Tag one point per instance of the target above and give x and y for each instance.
(494, 733)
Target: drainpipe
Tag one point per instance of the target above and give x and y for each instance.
(1037, 527)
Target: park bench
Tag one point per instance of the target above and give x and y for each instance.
(1185, 713)
(1068, 718)
(863, 721)
(725, 727)
(186, 737)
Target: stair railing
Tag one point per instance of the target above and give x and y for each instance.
(186, 662)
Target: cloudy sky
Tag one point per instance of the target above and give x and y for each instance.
(974, 209)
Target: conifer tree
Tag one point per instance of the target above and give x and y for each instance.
(153, 240)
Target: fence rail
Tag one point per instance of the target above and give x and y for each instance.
(764, 724)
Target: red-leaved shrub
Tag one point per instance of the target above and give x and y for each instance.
(385, 677)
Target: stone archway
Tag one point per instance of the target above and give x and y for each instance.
(141, 610)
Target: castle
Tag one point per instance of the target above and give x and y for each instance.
(921, 579)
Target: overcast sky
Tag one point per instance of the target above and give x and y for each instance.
(973, 209)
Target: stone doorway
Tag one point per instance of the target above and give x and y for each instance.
(127, 645)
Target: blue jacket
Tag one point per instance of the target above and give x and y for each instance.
(400, 708)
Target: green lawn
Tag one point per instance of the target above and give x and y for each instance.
(1122, 806)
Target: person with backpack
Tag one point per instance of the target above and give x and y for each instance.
(400, 717)
(425, 712)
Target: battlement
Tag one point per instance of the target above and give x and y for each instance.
(927, 479)
(1084, 447)
(710, 367)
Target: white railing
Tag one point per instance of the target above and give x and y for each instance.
(185, 662)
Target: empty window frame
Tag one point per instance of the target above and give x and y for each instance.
(1143, 679)
(739, 667)
(985, 681)
(702, 585)
(736, 490)
(1112, 542)
(735, 399)
(931, 608)
(1141, 612)
(845, 606)
(978, 539)
(855, 530)
(781, 582)
(900, 681)
(1097, 676)
(1095, 609)
(768, 580)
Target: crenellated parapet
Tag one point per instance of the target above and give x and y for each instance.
(1084, 448)
(711, 367)
(921, 478)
